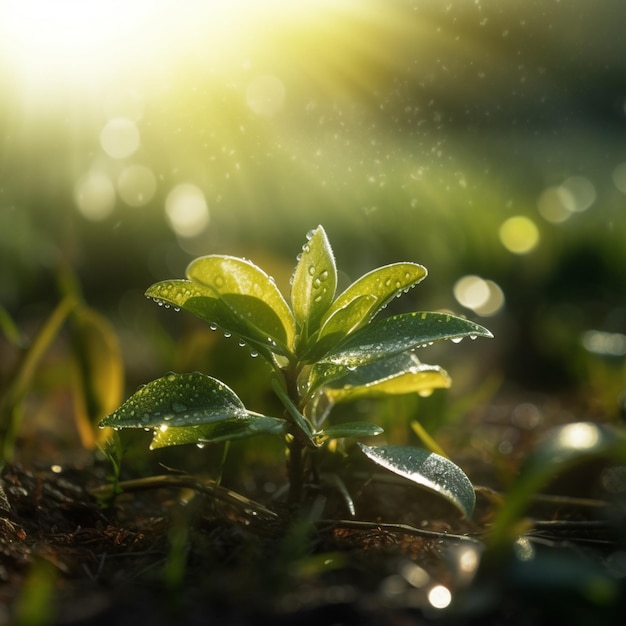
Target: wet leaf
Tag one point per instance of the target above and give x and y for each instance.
(343, 321)
(371, 293)
(178, 400)
(401, 333)
(321, 374)
(235, 314)
(225, 430)
(562, 448)
(400, 374)
(314, 283)
(427, 469)
(350, 429)
(249, 292)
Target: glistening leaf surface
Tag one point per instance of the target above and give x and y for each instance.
(400, 374)
(380, 286)
(225, 430)
(314, 283)
(350, 429)
(427, 469)
(401, 333)
(249, 292)
(236, 314)
(178, 400)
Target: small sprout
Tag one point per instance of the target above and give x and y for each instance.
(323, 348)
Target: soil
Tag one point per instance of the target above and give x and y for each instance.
(180, 549)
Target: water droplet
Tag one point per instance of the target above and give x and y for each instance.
(306, 248)
(213, 327)
(312, 270)
(177, 309)
(145, 417)
(254, 354)
(472, 337)
(456, 339)
(241, 343)
(218, 281)
(178, 407)
(227, 334)
(310, 234)
(171, 377)
(200, 445)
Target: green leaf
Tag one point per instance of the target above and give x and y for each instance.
(561, 449)
(178, 400)
(427, 469)
(319, 375)
(400, 374)
(314, 283)
(249, 292)
(225, 430)
(350, 429)
(240, 319)
(401, 333)
(341, 323)
(379, 287)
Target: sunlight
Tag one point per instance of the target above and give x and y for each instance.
(69, 40)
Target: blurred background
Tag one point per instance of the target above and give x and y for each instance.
(483, 139)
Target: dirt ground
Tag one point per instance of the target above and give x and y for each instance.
(179, 549)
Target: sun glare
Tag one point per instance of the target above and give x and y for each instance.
(69, 40)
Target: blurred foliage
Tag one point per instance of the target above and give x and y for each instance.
(412, 130)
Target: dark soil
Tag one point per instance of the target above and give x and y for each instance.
(180, 550)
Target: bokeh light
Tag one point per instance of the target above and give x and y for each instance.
(439, 597)
(574, 195)
(484, 297)
(519, 234)
(187, 211)
(119, 138)
(94, 195)
(136, 185)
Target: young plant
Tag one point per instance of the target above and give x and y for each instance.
(323, 348)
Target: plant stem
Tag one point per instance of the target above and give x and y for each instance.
(299, 440)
